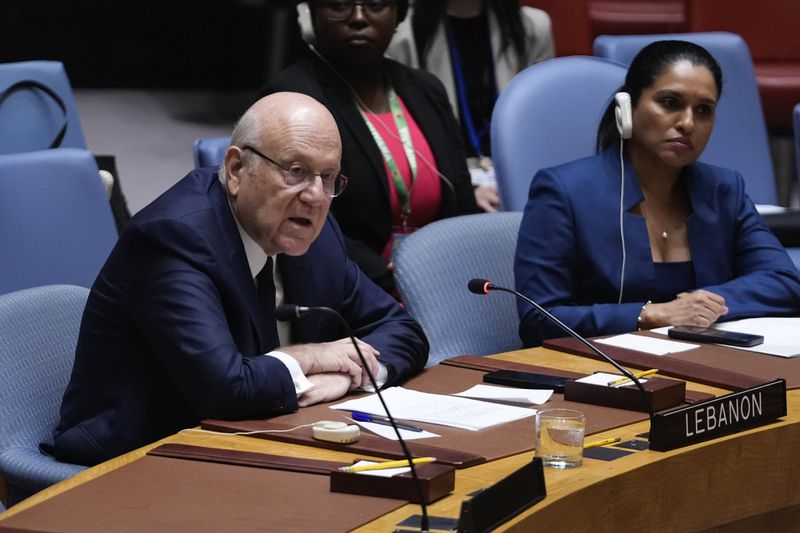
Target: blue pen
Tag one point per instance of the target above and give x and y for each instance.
(365, 417)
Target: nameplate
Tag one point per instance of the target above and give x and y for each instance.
(714, 418)
(504, 500)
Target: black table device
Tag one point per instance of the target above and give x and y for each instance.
(720, 336)
(525, 380)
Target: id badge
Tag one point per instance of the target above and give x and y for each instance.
(399, 233)
(481, 171)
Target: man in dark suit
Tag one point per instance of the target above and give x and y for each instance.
(180, 326)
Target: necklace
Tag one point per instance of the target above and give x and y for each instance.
(658, 219)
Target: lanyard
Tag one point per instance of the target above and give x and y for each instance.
(403, 193)
(463, 101)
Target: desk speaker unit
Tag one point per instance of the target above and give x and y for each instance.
(663, 394)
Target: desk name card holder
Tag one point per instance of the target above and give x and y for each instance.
(663, 394)
(504, 500)
(717, 417)
(436, 480)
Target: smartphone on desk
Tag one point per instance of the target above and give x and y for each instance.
(719, 336)
(525, 380)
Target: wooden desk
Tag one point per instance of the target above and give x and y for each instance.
(745, 481)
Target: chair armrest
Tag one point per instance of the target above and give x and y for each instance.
(785, 225)
(30, 470)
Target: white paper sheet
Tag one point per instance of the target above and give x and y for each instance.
(769, 209)
(507, 394)
(604, 378)
(781, 334)
(405, 404)
(640, 343)
(387, 432)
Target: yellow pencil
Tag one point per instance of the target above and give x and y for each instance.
(387, 464)
(603, 442)
(637, 374)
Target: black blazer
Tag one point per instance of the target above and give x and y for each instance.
(364, 209)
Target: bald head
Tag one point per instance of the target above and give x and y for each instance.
(280, 134)
(276, 115)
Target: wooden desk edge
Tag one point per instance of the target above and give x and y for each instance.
(565, 488)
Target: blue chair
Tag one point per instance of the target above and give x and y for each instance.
(38, 332)
(794, 253)
(38, 112)
(548, 115)
(209, 152)
(432, 267)
(739, 139)
(33, 114)
(55, 220)
(796, 117)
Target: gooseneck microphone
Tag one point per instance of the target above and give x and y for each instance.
(483, 286)
(286, 312)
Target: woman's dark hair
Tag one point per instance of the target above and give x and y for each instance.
(402, 10)
(428, 14)
(651, 62)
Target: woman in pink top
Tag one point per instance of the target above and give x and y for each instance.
(401, 146)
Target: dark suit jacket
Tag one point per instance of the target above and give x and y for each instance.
(173, 332)
(569, 254)
(363, 210)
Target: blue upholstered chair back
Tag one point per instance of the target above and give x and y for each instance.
(796, 122)
(548, 115)
(56, 224)
(739, 140)
(38, 332)
(432, 267)
(210, 152)
(30, 118)
(794, 253)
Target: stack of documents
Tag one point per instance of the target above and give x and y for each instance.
(439, 409)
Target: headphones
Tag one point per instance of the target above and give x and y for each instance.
(307, 27)
(624, 115)
(304, 21)
(624, 118)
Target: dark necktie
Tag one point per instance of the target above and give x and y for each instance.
(266, 297)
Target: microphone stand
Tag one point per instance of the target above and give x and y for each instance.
(287, 311)
(481, 286)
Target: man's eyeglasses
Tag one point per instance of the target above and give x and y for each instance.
(342, 9)
(297, 174)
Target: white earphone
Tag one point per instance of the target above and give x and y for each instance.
(624, 118)
(304, 21)
(624, 115)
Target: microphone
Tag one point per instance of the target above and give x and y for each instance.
(286, 312)
(483, 286)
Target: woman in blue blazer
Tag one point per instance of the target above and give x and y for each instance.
(642, 235)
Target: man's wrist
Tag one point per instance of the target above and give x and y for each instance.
(299, 379)
(380, 378)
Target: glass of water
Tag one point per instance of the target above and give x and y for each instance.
(559, 437)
